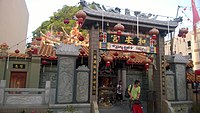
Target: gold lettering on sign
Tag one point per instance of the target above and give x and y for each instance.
(129, 40)
(115, 38)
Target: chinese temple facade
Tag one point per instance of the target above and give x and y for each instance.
(118, 47)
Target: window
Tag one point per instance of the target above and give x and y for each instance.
(189, 44)
(190, 54)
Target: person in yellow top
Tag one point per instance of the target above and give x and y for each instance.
(134, 92)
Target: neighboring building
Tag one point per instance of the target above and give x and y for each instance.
(186, 47)
(14, 23)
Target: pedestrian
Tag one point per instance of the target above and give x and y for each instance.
(134, 93)
(119, 91)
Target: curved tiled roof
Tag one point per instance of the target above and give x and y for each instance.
(191, 77)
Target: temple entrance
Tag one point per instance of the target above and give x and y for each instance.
(110, 75)
(18, 80)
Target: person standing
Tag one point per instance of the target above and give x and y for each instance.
(119, 91)
(134, 93)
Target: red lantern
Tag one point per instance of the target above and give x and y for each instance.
(154, 37)
(81, 38)
(154, 31)
(81, 15)
(115, 53)
(38, 39)
(146, 66)
(35, 51)
(129, 61)
(44, 62)
(52, 58)
(80, 21)
(17, 51)
(108, 63)
(66, 21)
(119, 28)
(132, 56)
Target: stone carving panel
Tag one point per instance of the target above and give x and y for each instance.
(35, 100)
(82, 87)
(65, 79)
(170, 87)
(48, 76)
(181, 82)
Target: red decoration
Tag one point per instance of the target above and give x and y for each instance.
(52, 58)
(146, 66)
(115, 53)
(132, 56)
(80, 21)
(154, 31)
(17, 51)
(81, 38)
(82, 52)
(108, 59)
(35, 51)
(108, 63)
(39, 39)
(44, 62)
(154, 37)
(183, 32)
(81, 15)
(119, 28)
(66, 21)
(129, 61)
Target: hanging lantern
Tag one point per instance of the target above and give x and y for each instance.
(146, 66)
(115, 53)
(52, 58)
(101, 37)
(35, 51)
(154, 37)
(17, 51)
(132, 56)
(81, 38)
(66, 21)
(108, 60)
(39, 39)
(44, 62)
(129, 61)
(183, 32)
(108, 63)
(81, 15)
(154, 31)
(119, 28)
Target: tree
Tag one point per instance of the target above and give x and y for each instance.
(56, 21)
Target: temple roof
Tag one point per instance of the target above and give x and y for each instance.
(127, 20)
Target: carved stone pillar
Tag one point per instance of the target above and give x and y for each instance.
(66, 71)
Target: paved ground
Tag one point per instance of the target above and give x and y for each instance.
(116, 108)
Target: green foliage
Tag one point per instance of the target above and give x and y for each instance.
(195, 108)
(69, 109)
(56, 21)
(49, 111)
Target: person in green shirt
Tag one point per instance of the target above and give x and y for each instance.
(134, 92)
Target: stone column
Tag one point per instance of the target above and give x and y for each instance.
(124, 80)
(66, 70)
(178, 66)
(47, 92)
(2, 89)
(34, 72)
(93, 61)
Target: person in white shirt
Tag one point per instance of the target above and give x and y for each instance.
(119, 91)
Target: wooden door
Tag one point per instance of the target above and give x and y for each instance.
(18, 80)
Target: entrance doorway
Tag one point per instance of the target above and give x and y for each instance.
(18, 79)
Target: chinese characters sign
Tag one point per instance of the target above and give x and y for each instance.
(128, 42)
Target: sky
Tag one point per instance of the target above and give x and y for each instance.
(41, 10)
